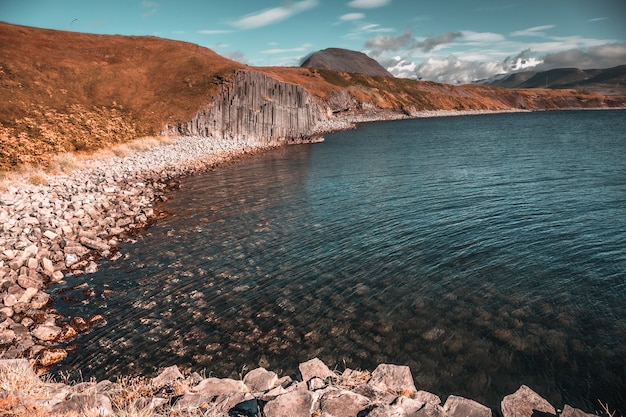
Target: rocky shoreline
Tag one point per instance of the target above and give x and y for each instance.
(54, 231)
(388, 391)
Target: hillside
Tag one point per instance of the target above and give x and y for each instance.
(610, 81)
(66, 92)
(344, 60)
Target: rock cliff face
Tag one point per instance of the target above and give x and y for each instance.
(255, 109)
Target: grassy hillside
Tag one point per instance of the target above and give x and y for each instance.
(64, 91)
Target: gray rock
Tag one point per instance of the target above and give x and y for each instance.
(427, 397)
(342, 404)
(6, 336)
(315, 368)
(394, 379)
(97, 404)
(219, 386)
(294, 403)
(167, 377)
(430, 410)
(526, 403)
(462, 407)
(46, 333)
(569, 411)
(375, 394)
(260, 380)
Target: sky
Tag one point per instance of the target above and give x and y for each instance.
(442, 40)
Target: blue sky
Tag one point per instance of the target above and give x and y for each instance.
(442, 40)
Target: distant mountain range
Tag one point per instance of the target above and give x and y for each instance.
(345, 60)
(611, 81)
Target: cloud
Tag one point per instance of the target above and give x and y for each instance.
(385, 43)
(300, 48)
(352, 16)
(274, 15)
(151, 6)
(214, 31)
(601, 56)
(534, 31)
(368, 4)
(598, 19)
(429, 44)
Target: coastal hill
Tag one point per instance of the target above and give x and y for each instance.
(66, 92)
(610, 81)
(345, 60)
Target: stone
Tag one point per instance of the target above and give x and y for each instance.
(315, 383)
(342, 404)
(462, 407)
(47, 266)
(569, 411)
(315, 368)
(427, 397)
(49, 357)
(294, 403)
(94, 244)
(218, 386)
(79, 323)
(393, 378)
(85, 404)
(70, 259)
(39, 300)
(168, 376)
(260, 380)
(191, 401)
(50, 234)
(46, 333)
(430, 410)
(6, 336)
(32, 263)
(28, 295)
(375, 394)
(526, 403)
(57, 276)
(9, 300)
(26, 281)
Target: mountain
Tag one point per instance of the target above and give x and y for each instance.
(610, 81)
(66, 92)
(344, 60)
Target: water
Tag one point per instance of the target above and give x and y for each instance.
(484, 252)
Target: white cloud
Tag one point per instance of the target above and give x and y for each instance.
(274, 15)
(482, 37)
(598, 19)
(534, 31)
(352, 16)
(301, 48)
(213, 31)
(151, 6)
(368, 4)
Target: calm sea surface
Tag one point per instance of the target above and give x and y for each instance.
(485, 252)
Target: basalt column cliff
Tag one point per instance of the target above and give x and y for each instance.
(255, 109)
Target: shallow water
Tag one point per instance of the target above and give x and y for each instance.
(484, 252)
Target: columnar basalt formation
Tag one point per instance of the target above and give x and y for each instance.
(255, 109)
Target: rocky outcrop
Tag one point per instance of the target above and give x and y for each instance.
(254, 109)
(260, 393)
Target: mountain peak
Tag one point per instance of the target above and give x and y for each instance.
(345, 60)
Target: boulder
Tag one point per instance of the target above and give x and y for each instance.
(96, 404)
(394, 379)
(46, 333)
(6, 336)
(260, 380)
(427, 397)
(342, 404)
(315, 368)
(569, 411)
(526, 403)
(28, 295)
(375, 394)
(217, 386)
(462, 407)
(294, 403)
(49, 357)
(168, 376)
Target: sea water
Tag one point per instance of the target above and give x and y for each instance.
(484, 252)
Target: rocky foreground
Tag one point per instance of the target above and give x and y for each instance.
(387, 391)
